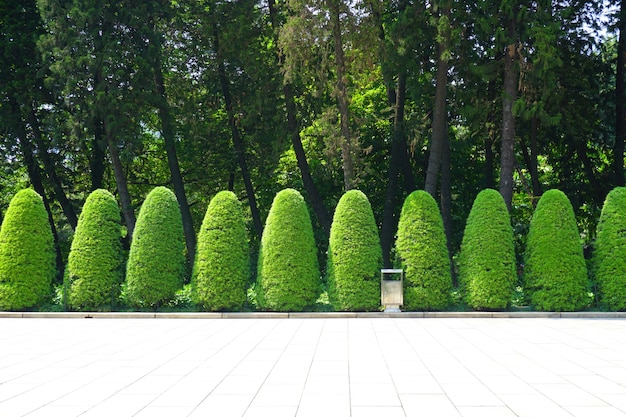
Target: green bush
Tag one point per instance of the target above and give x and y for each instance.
(94, 266)
(422, 252)
(288, 270)
(609, 252)
(156, 262)
(27, 255)
(222, 265)
(487, 260)
(354, 255)
(555, 270)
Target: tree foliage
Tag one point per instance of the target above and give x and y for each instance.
(555, 271)
(609, 252)
(94, 268)
(222, 265)
(422, 252)
(487, 260)
(27, 258)
(156, 262)
(354, 255)
(288, 270)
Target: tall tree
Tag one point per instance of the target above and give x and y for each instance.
(312, 191)
(620, 100)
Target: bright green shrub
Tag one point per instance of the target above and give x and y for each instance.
(156, 262)
(288, 271)
(27, 255)
(222, 263)
(354, 255)
(487, 259)
(423, 254)
(609, 252)
(555, 270)
(94, 266)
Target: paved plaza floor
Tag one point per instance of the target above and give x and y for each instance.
(322, 367)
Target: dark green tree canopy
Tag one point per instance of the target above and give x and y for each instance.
(354, 255)
(222, 265)
(609, 252)
(288, 270)
(555, 271)
(94, 268)
(27, 257)
(156, 262)
(487, 260)
(422, 252)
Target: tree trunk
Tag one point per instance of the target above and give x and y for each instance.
(315, 198)
(620, 101)
(389, 220)
(530, 158)
(446, 201)
(97, 155)
(34, 174)
(167, 130)
(342, 95)
(507, 156)
(122, 186)
(66, 205)
(439, 124)
(237, 141)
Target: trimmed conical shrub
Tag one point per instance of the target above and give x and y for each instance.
(288, 271)
(555, 270)
(222, 265)
(423, 254)
(487, 260)
(156, 262)
(27, 256)
(354, 255)
(94, 267)
(609, 252)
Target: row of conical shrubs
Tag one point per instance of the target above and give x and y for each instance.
(288, 272)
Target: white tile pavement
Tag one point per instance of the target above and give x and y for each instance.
(300, 367)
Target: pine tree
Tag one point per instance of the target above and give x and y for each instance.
(156, 262)
(27, 256)
(555, 269)
(487, 260)
(422, 252)
(222, 263)
(354, 255)
(288, 270)
(94, 268)
(609, 252)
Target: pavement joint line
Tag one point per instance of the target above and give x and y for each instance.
(315, 315)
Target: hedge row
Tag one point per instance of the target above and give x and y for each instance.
(555, 274)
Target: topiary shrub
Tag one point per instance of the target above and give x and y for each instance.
(288, 270)
(222, 265)
(555, 270)
(156, 262)
(94, 266)
(487, 260)
(27, 256)
(354, 255)
(422, 252)
(609, 252)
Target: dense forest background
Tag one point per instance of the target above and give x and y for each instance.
(386, 96)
